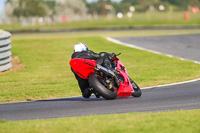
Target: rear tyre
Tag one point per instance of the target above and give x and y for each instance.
(101, 89)
(137, 91)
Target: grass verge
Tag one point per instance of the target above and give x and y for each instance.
(161, 122)
(48, 73)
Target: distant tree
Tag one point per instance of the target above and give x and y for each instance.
(121, 7)
(72, 9)
(132, 2)
(8, 10)
(140, 5)
(51, 6)
(93, 8)
(194, 2)
(178, 2)
(30, 8)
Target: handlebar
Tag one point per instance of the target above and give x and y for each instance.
(118, 54)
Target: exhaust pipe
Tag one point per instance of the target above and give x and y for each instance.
(108, 72)
(105, 70)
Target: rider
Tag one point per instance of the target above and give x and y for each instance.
(103, 58)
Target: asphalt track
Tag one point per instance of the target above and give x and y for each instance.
(176, 97)
(183, 46)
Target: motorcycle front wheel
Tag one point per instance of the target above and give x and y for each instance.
(137, 91)
(101, 89)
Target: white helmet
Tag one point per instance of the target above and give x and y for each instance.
(80, 47)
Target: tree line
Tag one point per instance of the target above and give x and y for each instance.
(140, 5)
(31, 8)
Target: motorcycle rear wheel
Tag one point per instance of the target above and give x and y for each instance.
(101, 89)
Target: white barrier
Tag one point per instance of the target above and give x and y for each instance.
(5, 54)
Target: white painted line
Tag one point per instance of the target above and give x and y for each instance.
(131, 45)
(197, 62)
(179, 83)
(140, 48)
(169, 55)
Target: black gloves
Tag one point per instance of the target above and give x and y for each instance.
(112, 56)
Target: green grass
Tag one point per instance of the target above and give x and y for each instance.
(161, 122)
(138, 19)
(48, 73)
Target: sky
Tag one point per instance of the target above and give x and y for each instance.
(1, 4)
(1, 9)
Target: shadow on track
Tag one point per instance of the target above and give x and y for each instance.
(93, 98)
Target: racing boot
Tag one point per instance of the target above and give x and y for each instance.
(95, 93)
(87, 93)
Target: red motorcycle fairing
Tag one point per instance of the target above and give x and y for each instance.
(121, 66)
(83, 67)
(125, 89)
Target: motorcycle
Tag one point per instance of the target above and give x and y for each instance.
(106, 82)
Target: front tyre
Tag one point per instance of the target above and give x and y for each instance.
(137, 91)
(101, 89)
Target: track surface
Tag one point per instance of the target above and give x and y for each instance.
(184, 46)
(184, 96)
